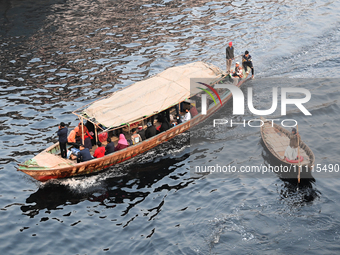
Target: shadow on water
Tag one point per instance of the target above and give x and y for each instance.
(135, 185)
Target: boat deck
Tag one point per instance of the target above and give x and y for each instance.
(49, 160)
(279, 141)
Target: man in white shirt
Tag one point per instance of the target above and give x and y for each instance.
(187, 115)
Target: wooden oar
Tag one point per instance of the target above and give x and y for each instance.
(299, 162)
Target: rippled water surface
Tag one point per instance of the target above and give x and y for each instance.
(56, 56)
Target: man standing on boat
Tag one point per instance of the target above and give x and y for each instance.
(229, 56)
(62, 134)
(291, 152)
(247, 62)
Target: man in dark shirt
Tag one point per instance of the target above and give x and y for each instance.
(229, 56)
(84, 154)
(110, 147)
(247, 61)
(150, 131)
(62, 134)
(141, 132)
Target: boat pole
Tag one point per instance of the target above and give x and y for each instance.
(95, 132)
(82, 130)
(299, 162)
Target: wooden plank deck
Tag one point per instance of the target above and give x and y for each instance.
(278, 141)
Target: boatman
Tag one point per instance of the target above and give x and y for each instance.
(247, 61)
(229, 56)
(62, 134)
(291, 152)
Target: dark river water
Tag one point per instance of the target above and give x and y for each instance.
(58, 55)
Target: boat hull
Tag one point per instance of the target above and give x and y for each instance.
(293, 168)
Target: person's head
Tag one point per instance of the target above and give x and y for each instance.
(294, 130)
(134, 131)
(99, 144)
(62, 124)
(246, 53)
(237, 64)
(186, 110)
(76, 129)
(230, 44)
(108, 140)
(121, 136)
(80, 124)
(140, 127)
(149, 124)
(160, 118)
(81, 147)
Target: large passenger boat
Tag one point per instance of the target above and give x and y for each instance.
(135, 105)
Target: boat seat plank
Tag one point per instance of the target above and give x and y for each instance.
(279, 142)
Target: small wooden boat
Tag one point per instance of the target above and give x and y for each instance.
(134, 104)
(276, 139)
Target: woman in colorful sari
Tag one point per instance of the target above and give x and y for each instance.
(122, 143)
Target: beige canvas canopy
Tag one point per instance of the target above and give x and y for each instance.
(152, 95)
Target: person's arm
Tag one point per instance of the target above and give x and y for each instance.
(227, 53)
(59, 131)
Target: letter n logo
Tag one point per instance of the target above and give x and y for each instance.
(204, 97)
(238, 98)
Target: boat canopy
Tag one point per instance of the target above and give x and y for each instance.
(153, 95)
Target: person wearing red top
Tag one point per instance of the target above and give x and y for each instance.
(100, 151)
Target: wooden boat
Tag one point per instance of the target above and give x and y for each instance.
(276, 139)
(164, 90)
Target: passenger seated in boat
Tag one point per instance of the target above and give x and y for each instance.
(122, 143)
(73, 153)
(291, 152)
(110, 147)
(71, 139)
(87, 141)
(80, 134)
(238, 71)
(178, 119)
(187, 115)
(150, 131)
(173, 121)
(135, 138)
(87, 136)
(141, 132)
(84, 154)
(100, 151)
(165, 124)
